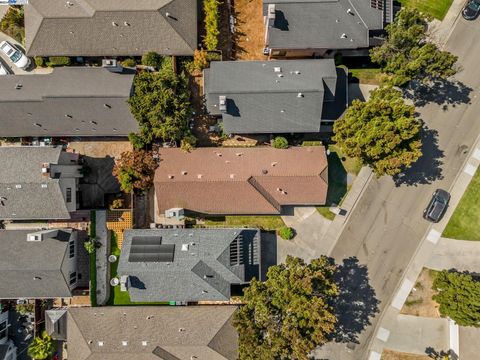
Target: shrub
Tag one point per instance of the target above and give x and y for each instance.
(42, 347)
(200, 60)
(286, 233)
(117, 204)
(129, 62)
(214, 56)
(188, 143)
(210, 7)
(280, 143)
(90, 245)
(39, 61)
(24, 309)
(152, 59)
(54, 61)
(13, 23)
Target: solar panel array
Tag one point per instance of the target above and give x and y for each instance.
(150, 249)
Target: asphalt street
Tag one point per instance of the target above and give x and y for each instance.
(386, 227)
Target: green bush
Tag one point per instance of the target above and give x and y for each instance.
(214, 56)
(38, 61)
(54, 61)
(152, 59)
(210, 7)
(280, 143)
(13, 23)
(129, 62)
(312, 143)
(286, 233)
(24, 309)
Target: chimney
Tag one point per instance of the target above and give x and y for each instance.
(271, 15)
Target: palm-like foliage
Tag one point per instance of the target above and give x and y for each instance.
(41, 347)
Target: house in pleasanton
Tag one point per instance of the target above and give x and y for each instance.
(110, 27)
(188, 265)
(289, 96)
(303, 28)
(152, 333)
(70, 101)
(240, 181)
(38, 263)
(38, 183)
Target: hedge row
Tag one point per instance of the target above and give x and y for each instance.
(210, 7)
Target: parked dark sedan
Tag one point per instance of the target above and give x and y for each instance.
(437, 206)
(471, 10)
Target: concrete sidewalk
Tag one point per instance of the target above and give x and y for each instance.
(439, 31)
(455, 254)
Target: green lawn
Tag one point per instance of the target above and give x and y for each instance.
(436, 8)
(366, 75)
(338, 167)
(118, 297)
(464, 224)
(261, 222)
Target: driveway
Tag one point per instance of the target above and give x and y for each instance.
(469, 343)
(455, 254)
(310, 228)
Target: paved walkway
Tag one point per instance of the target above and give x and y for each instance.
(440, 31)
(103, 280)
(469, 337)
(413, 334)
(310, 228)
(455, 254)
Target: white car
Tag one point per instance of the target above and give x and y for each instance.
(3, 70)
(16, 56)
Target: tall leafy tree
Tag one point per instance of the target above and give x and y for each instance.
(135, 170)
(458, 296)
(382, 132)
(407, 55)
(289, 315)
(41, 347)
(161, 106)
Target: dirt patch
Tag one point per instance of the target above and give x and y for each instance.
(396, 355)
(100, 149)
(419, 301)
(249, 35)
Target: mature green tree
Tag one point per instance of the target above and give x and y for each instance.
(41, 347)
(407, 55)
(152, 59)
(458, 296)
(160, 104)
(382, 132)
(135, 170)
(288, 316)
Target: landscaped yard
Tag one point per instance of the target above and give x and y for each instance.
(261, 222)
(463, 225)
(420, 302)
(338, 167)
(388, 354)
(249, 34)
(369, 76)
(436, 8)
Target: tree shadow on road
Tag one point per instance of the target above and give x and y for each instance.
(356, 303)
(441, 92)
(426, 169)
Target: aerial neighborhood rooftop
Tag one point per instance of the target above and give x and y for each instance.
(248, 179)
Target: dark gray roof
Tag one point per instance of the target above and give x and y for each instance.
(152, 333)
(26, 193)
(56, 323)
(204, 271)
(33, 269)
(71, 101)
(261, 100)
(320, 24)
(110, 27)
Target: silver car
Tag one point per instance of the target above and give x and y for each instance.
(18, 58)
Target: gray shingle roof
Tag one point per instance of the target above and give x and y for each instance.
(33, 269)
(71, 101)
(110, 27)
(25, 193)
(181, 332)
(319, 24)
(56, 323)
(203, 272)
(260, 100)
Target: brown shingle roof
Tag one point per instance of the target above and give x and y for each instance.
(241, 181)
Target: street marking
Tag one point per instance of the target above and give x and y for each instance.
(470, 169)
(453, 338)
(476, 154)
(433, 236)
(374, 356)
(402, 294)
(383, 334)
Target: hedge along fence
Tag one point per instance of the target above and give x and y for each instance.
(210, 8)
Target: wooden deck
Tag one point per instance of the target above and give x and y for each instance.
(118, 221)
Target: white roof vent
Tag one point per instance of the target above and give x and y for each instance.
(232, 176)
(350, 11)
(280, 75)
(144, 343)
(100, 343)
(170, 176)
(184, 172)
(199, 176)
(277, 69)
(126, 23)
(184, 247)
(124, 343)
(114, 23)
(34, 237)
(300, 95)
(344, 36)
(18, 186)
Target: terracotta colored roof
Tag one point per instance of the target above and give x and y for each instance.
(241, 180)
